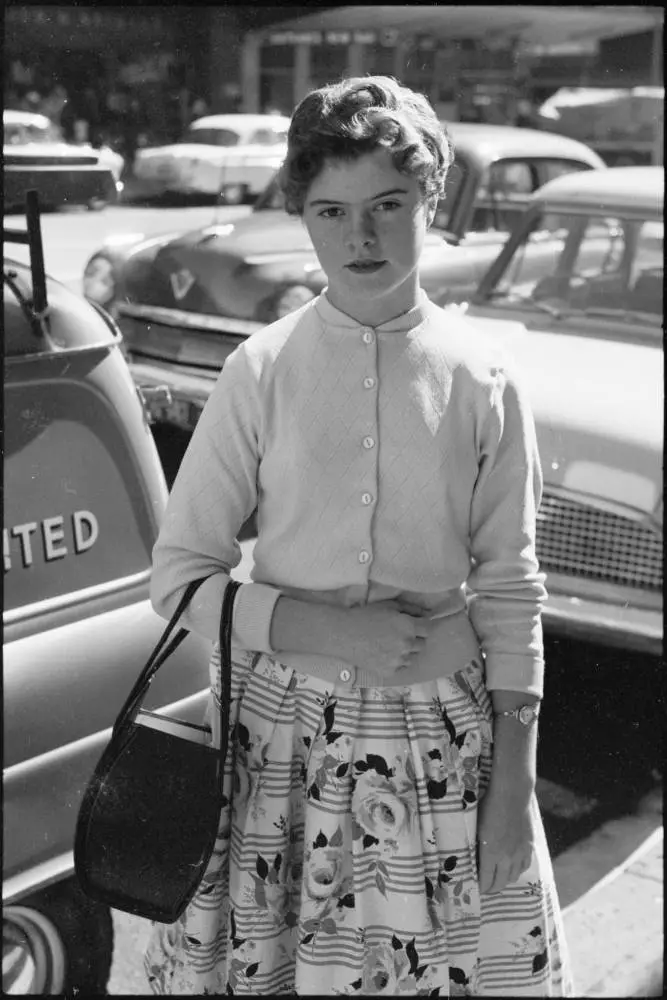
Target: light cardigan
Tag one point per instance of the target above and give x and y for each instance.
(386, 462)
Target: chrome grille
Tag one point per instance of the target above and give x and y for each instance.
(583, 541)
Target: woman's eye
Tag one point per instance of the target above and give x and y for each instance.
(389, 206)
(331, 213)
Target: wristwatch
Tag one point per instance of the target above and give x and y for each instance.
(526, 715)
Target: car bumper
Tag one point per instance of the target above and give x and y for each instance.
(172, 395)
(620, 626)
(59, 185)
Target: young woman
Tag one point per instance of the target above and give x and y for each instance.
(382, 834)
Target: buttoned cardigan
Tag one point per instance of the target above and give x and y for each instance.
(387, 462)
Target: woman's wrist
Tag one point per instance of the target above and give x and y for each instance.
(305, 627)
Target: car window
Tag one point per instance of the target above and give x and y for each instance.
(18, 135)
(453, 183)
(211, 136)
(506, 187)
(549, 170)
(267, 137)
(597, 264)
(502, 195)
(74, 512)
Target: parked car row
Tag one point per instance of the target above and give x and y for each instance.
(36, 156)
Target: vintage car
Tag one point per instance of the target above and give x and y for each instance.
(576, 296)
(35, 155)
(232, 156)
(184, 301)
(83, 500)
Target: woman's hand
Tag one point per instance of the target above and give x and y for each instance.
(505, 835)
(381, 637)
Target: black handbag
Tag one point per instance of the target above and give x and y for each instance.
(149, 816)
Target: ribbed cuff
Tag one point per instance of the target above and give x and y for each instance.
(505, 672)
(253, 611)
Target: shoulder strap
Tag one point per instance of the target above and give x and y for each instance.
(156, 659)
(226, 621)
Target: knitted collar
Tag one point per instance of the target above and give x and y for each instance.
(331, 316)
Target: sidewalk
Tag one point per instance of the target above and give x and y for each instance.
(615, 929)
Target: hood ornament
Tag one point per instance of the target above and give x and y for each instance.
(181, 282)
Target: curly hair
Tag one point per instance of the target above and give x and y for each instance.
(346, 120)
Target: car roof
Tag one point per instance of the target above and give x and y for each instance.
(240, 121)
(486, 143)
(11, 117)
(72, 324)
(640, 188)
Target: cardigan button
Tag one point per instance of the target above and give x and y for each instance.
(345, 675)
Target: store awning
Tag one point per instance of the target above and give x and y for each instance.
(542, 27)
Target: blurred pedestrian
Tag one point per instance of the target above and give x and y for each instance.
(381, 833)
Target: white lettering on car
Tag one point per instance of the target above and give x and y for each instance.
(85, 532)
(52, 532)
(24, 531)
(79, 518)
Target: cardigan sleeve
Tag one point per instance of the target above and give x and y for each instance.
(214, 493)
(506, 588)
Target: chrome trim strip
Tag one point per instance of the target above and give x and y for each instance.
(191, 321)
(597, 620)
(37, 878)
(52, 604)
(17, 772)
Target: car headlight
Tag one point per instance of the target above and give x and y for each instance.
(99, 280)
(292, 298)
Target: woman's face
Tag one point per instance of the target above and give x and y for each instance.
(367, 223)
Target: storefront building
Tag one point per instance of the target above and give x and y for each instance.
(474, 63)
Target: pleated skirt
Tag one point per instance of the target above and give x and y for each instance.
(346, 857)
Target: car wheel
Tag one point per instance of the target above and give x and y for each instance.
(96, 204)
(233, 194)
(56, 942)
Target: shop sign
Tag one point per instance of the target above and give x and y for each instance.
(326, 38)
(295, 38)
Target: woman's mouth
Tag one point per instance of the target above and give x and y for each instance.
(365, 266)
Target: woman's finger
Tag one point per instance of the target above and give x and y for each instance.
(487, 867)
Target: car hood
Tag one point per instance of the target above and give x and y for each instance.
(598, 408)
(237, 269)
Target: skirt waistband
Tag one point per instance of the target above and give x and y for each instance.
(452, 644)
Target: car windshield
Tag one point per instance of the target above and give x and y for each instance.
(211, 137)
(18, 134)
(607, 265)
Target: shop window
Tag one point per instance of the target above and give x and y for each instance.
(276, 57)
(380, 60)
(328, 63)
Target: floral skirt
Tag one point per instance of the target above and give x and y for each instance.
(346, 857)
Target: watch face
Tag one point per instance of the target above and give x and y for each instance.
(527, 714)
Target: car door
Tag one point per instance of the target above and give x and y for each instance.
(80, 518)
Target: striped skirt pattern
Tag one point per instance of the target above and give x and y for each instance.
(346, 857)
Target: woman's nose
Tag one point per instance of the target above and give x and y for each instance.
(361, 233)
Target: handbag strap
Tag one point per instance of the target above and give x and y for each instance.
(226, 621)
(156, 659)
